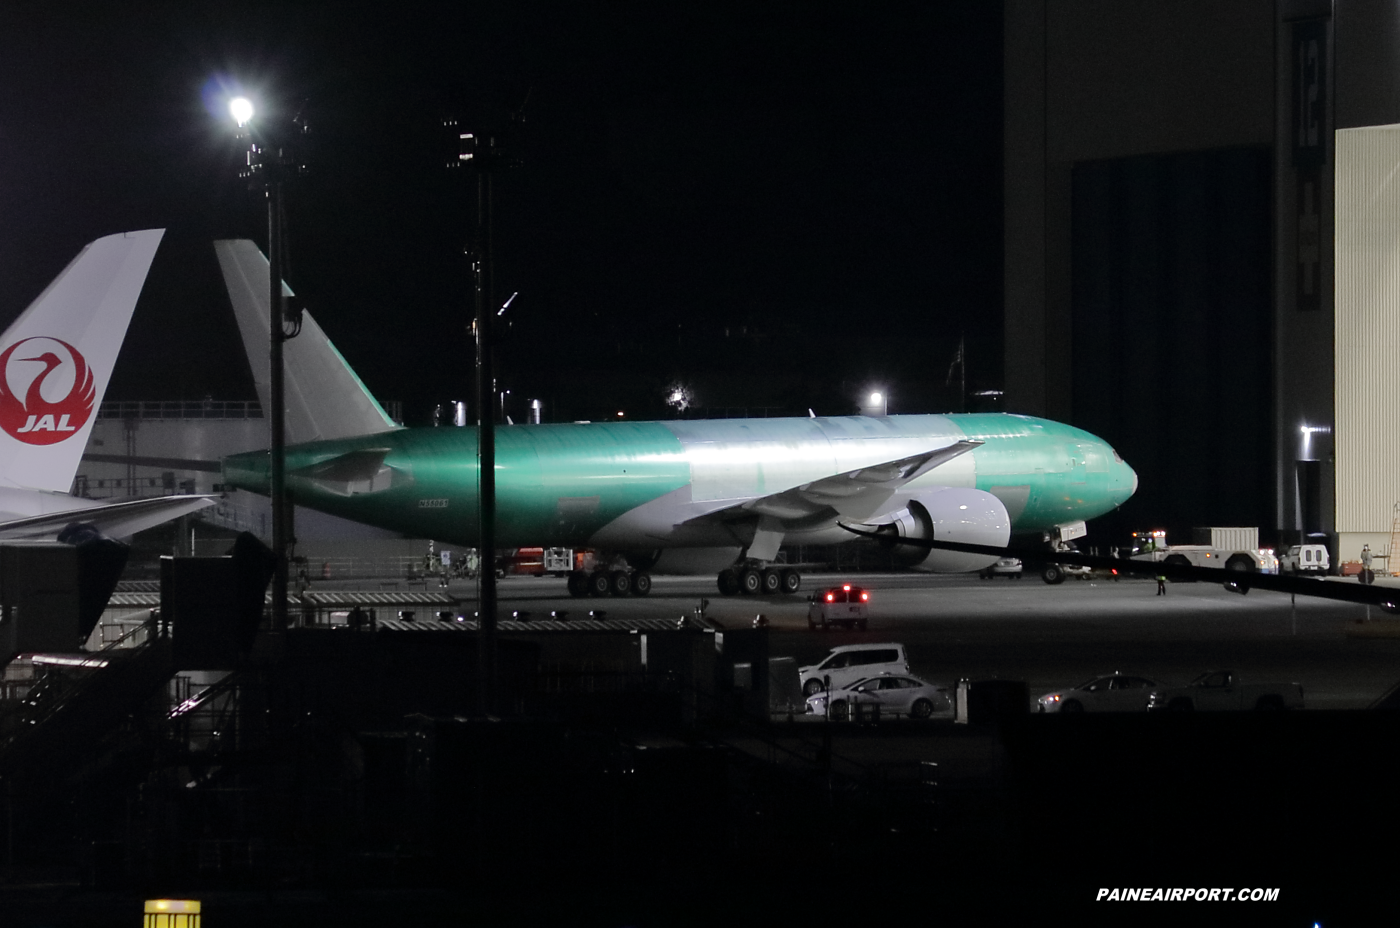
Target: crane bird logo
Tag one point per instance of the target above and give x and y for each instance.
(46, 390)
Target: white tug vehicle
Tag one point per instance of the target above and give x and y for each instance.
(1228, 548)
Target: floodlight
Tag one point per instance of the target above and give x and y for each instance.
(241, 109)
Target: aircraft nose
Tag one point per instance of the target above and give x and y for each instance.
(1128, 483)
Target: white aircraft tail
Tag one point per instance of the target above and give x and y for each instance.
(57, 358)
(325, 398)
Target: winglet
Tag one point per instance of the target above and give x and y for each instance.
(57, 358)
(325, 399)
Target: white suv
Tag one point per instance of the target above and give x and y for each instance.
(850, 663)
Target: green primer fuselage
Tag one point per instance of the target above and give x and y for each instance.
(614, 484)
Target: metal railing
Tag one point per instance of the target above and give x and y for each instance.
(180, 409)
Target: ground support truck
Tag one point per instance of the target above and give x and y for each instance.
(1228, 548)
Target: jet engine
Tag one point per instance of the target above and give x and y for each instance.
(960, 514)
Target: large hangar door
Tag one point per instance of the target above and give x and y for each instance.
(1367, 352)
(1172, 331)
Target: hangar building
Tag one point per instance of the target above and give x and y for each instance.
(1203, 253)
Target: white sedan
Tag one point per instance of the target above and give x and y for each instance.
(1117, 692)
(894, 694)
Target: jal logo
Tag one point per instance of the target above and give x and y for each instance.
(46, 391)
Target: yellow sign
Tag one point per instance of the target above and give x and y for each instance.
(172, 913)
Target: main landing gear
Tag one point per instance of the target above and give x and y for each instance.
(759, 581)
(609, 583)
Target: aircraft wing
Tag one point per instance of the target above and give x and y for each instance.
(856, 494)
(1236, 581)
(116, 520)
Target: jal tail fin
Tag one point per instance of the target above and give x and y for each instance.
(325, 398)
(57, 358)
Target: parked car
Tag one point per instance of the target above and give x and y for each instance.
(1222, 690)
(1116, 692)
(895, 694)
(1006, 567)
(846, 606)
(850, 664)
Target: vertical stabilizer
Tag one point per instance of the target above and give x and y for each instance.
(325, 399)
(57, 358)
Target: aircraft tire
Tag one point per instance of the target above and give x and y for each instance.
(728, 582)
(751, 582)
(792, 581)
(1053, 574)
(599, 583)
(641, 583)
(619, 583)
(577, 583)
(772, 581)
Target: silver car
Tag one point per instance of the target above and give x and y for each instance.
(1117, 692)
(895, 694)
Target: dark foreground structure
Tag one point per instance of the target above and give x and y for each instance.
(343, 775)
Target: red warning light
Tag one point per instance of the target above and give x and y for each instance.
(830, 597)
(846, 587)
(864, 597)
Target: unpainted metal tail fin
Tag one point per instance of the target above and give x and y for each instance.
(325, 399)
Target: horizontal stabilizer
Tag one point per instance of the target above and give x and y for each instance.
(325, 399)
(115, 520)
(362, 471)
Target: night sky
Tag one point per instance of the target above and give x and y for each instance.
(776, 204)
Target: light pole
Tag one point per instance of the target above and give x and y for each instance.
(268, 166)
(480, 154)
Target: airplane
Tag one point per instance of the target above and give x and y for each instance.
(681, 496)
(55, 362)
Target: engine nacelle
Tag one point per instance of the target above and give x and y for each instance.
(959, 514)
